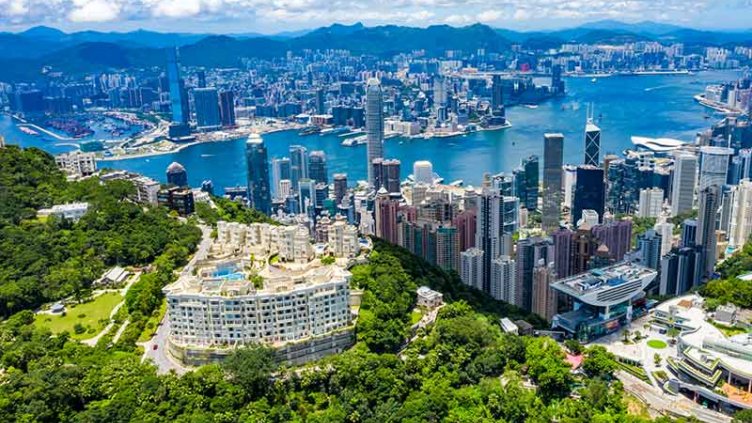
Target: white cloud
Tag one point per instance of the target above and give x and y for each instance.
(278, 15)
(94, 11)
(489, 15)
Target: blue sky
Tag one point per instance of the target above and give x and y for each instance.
(272, 16)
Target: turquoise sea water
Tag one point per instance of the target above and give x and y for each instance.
(653, 106)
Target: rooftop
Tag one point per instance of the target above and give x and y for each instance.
(608, 285)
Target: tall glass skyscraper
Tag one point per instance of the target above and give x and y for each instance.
(590, 192)
(206, 103)
(374, 124)
(298, 164)
(178, 100)
(259, 195)
(592, 143)
(553, 160)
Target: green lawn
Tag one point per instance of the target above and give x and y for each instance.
(415, 317)
(728, 330)
(657, 344)
(92, 312)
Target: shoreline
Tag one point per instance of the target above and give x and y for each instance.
(714, 105)
(181, 147)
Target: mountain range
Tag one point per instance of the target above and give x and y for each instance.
(24, 54)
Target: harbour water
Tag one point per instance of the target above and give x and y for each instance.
(652, 106)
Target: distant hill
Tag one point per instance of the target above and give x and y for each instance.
(22, 55)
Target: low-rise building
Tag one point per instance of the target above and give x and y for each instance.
(603, 300)
(70, 211)
(429, 298)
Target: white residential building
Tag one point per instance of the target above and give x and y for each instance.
(239, 295)
(77, 163)
(471, 268)
(343, 239)
(429, 298)
(503, 279)
(651, 202)
(740, 227)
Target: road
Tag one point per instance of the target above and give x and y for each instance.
(160, 356)
(667, 404)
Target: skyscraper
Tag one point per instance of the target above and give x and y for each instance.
(589, 192)
(714, 166)
(503, 279)
(206, 103)
(374, 125)
(544, 298)
(227, 108)
(386, 210)
(553, 157)
(592, 143)
(740, 227)
(386, 174)
(705, 237)
(176, 175)
(683, 185)
(298, 164)
(530, 252)
(528, 187)
(651, 202)
(496, 222)
(471, 268)
(497, 93)
(280, 172)
(178, 97)
(257, 164)
(317, 167)
(649, 249)
(423, 172)
(340, 187)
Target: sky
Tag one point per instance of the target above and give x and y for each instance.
(274, 16)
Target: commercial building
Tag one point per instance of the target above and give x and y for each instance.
(651, 202)
(592, 144)
(374, 125)
(683, 185)
(423, 172)
(603, 300)
(257, 165)
(553, 158)
(317, 167)
(227, 108)
(77, 163)
(714, 165)
(206, 104)
(176, 175)
(589, 192)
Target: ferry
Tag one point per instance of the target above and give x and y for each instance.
(28, 131)
(309, 131)
(351, 142)
(531, 106)
(328, 131)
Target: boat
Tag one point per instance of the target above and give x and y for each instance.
(594, 80)
(531, 106)
(309, 131)
(328, 131)
(28, 131)
(351, 142)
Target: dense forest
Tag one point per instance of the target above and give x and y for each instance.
(42, 260)
(461, 368)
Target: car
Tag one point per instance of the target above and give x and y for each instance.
(154, 347)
